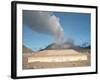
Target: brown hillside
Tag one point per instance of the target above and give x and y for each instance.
(26, 49)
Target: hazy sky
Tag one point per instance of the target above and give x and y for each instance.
(74, 25)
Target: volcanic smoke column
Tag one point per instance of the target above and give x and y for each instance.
(45, 23)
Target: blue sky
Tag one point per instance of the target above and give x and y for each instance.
(75, 26)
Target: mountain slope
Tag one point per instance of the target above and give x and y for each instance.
(57, 46)
(26, 49)
(65, 46)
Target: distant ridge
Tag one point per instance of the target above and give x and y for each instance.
(61, 46)
(65, 46)
(26, 49)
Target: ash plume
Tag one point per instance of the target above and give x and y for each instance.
(45, 23)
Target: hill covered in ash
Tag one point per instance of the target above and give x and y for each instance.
(67, 45)
(26, 49)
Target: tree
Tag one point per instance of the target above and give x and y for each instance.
(86, 44)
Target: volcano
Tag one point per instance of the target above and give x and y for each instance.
(55, 46)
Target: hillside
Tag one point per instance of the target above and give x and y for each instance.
(65, 46)
(26, 49)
